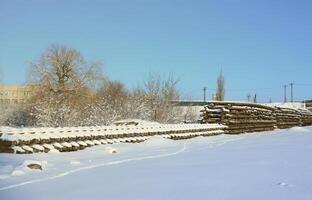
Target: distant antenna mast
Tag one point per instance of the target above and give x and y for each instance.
(248, 97)
(205, 89)
(291, 92)
(285, 88)
(255, 98)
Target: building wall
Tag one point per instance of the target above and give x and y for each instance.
(15, 94)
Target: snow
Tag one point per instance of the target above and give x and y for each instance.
(54, 151)
(38, 147)
(57, 145)
(27, 148)
(48, 146)
(18, 149)
(292, 105)
(82, 143)
(75, 162)
(66, 144)
(18, 173)
(23, 169)
(265, 165)
(74, 144)
(134, 122)
(88, 142)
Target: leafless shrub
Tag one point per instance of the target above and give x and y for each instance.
(220, 90)
(68, 93)
(158, 93)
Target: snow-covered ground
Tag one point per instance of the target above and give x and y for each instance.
(267, 165)
(293, 105)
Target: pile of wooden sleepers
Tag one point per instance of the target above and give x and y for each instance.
(242, 117)
(287, 117)
(33, 140)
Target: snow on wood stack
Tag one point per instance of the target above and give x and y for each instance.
(33, 140)
(287, 117)
(306, 117)
(240, 117)
(250, 117)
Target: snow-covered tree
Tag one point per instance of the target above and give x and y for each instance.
(13, 115)
(64, 83)
(158, 93)
(68, 93)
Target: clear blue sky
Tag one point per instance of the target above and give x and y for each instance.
(260, 45)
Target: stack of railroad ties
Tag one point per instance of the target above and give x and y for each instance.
(242, 117)
(33, 140)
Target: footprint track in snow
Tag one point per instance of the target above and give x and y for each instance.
(183, 149)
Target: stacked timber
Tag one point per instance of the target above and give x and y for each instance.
(34, 140)
(287, 117)
(240, 117)
(249, 118)
(306, 117)
(212, 114)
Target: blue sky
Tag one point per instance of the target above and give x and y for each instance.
(260, 45)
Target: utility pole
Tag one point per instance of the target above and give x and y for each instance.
(291, 92)
(285, 87)
(255, 98)
(248, 97)
(205, 89)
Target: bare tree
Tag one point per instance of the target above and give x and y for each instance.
(113, 92)
(110, 103)
(158, 94)
(190, 114)
(64, 82)
(61, 69)
(65, 94)
(220, 89)
(139, 106)
(13, 115)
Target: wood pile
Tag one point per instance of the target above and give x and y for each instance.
(240, 117)
(306, 117)
(250, 117)
(287, 117)
(35, 140)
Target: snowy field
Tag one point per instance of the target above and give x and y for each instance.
(268, 165)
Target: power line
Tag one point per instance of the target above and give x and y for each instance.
(257, 89)
(246, 89)
(263, 90)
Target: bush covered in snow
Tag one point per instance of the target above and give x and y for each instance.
(73, 92)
